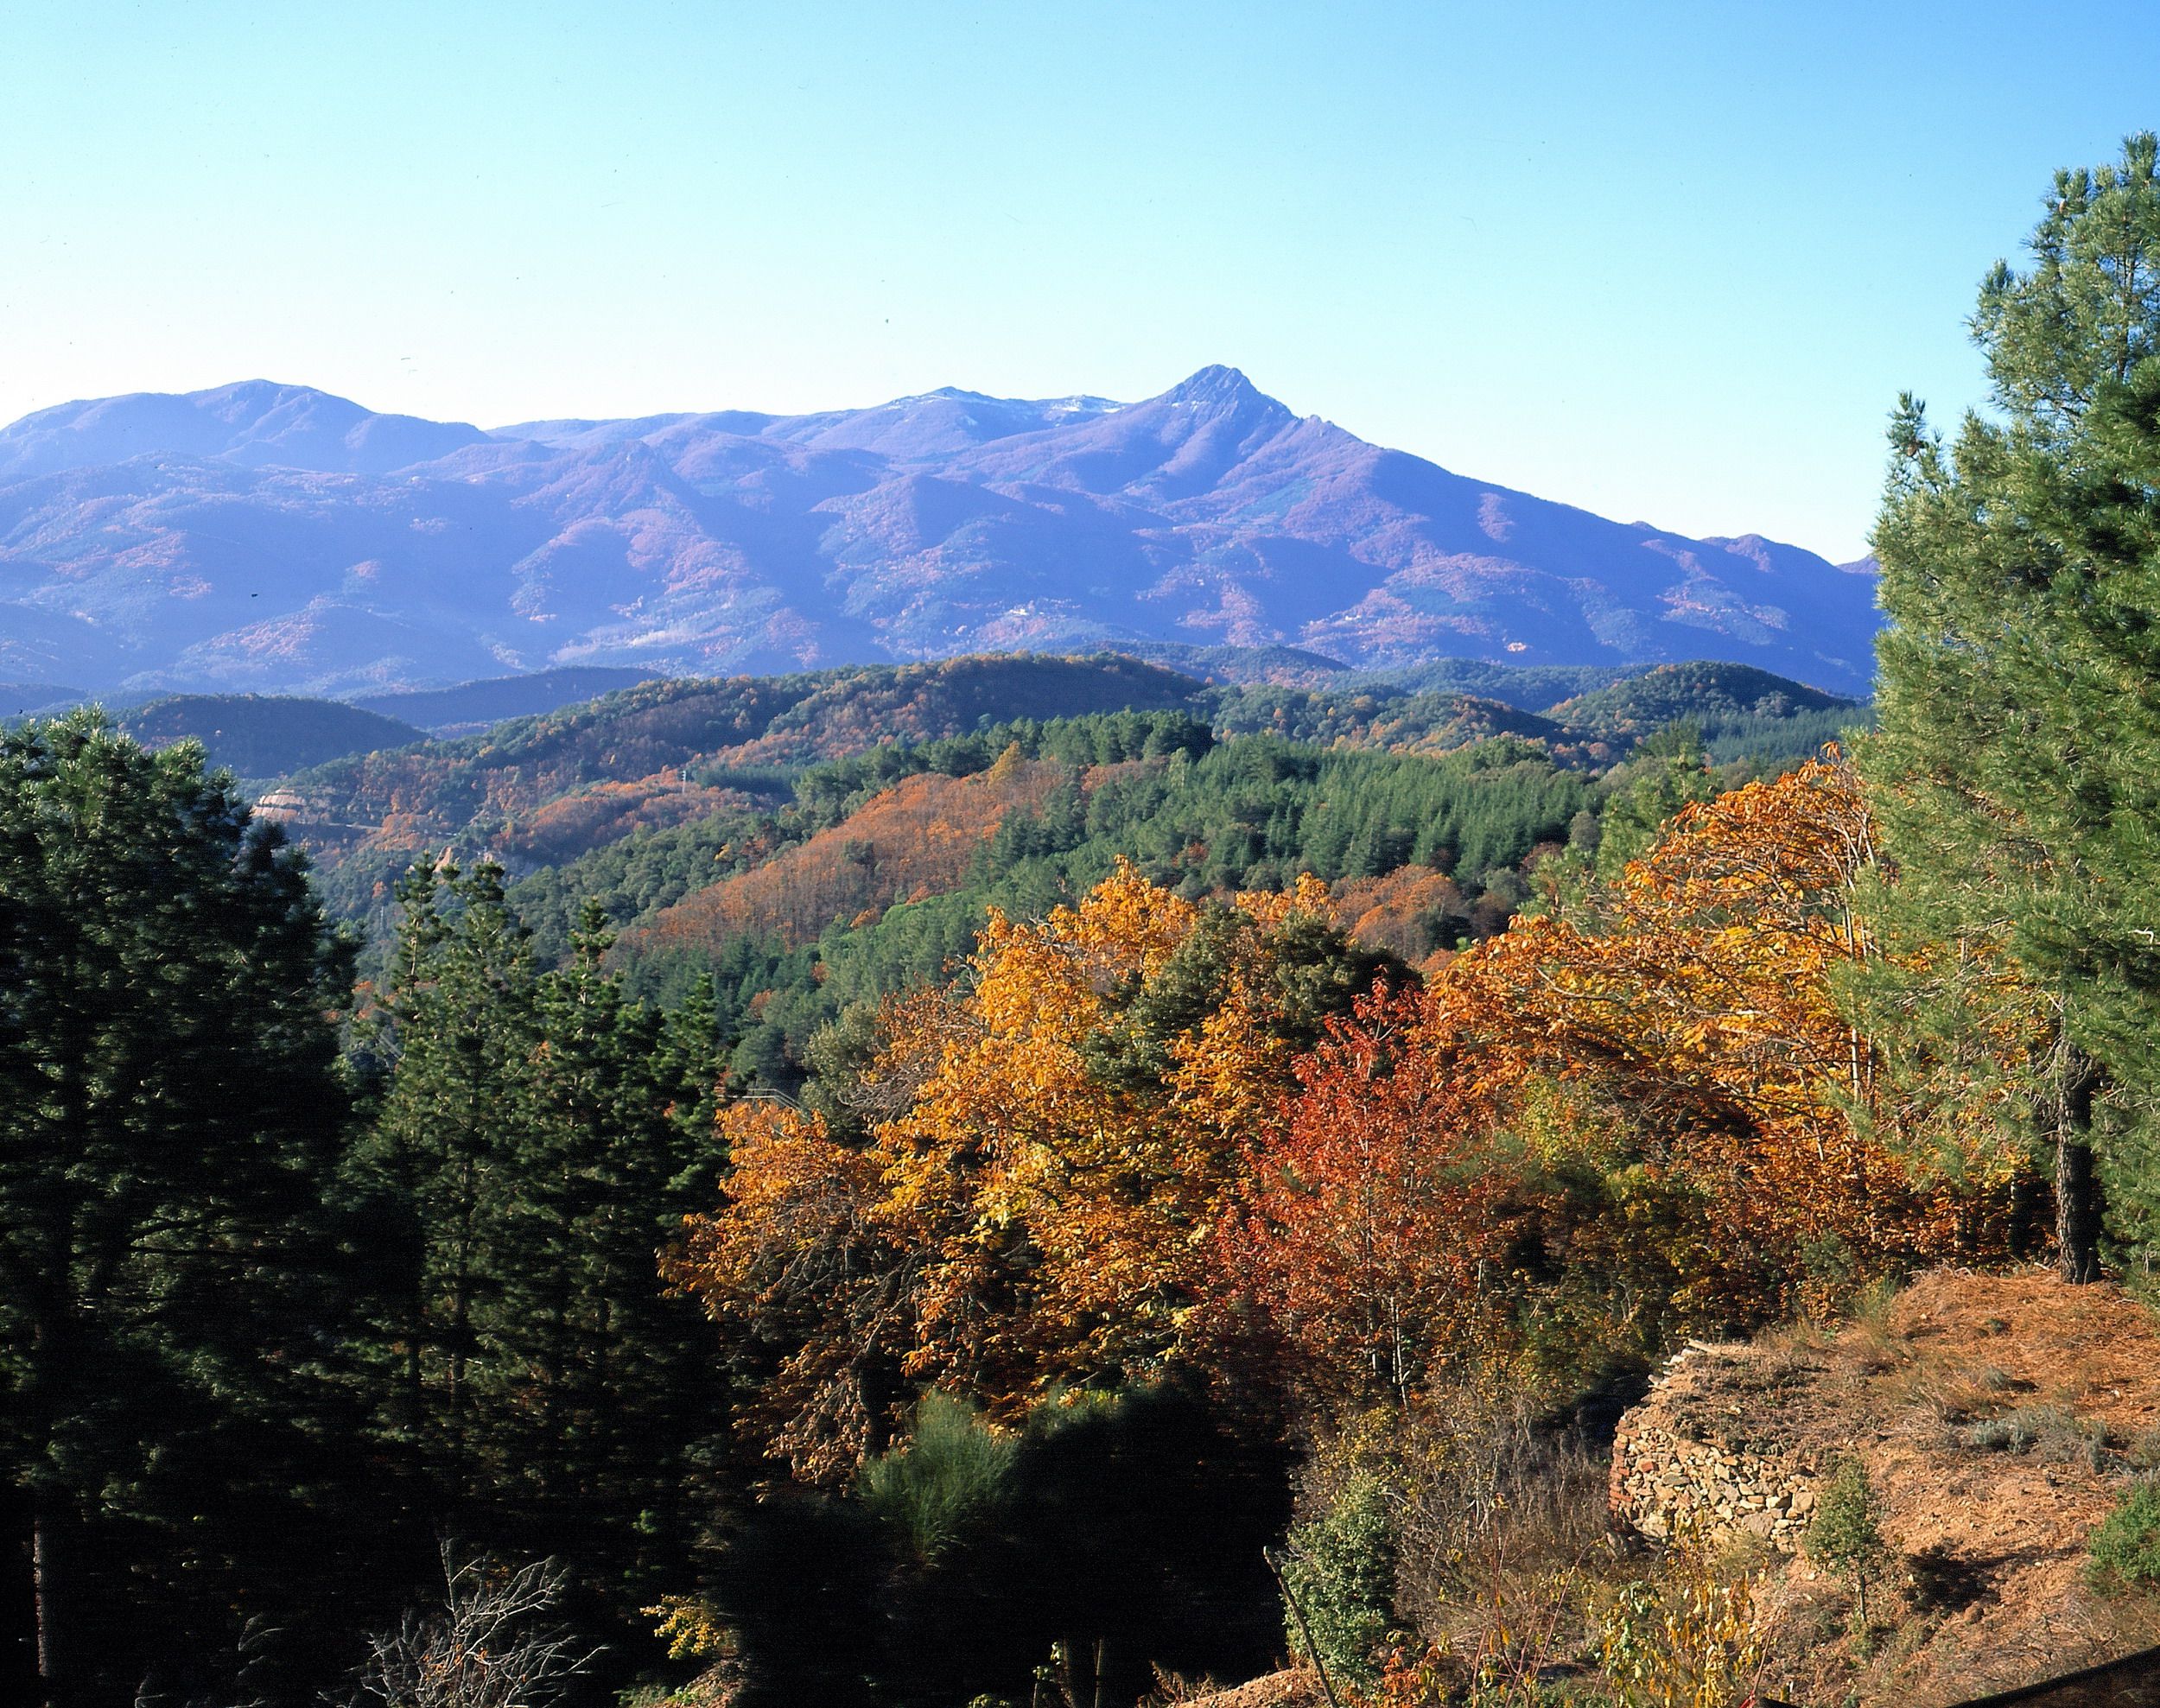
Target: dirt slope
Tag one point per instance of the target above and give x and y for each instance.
(2000, 1418)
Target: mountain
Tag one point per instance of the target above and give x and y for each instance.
(255, 424)
(469, 707)
(25, 699)
(278, 539)
(1699, 691)
(263, 735)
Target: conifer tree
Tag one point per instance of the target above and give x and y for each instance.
(540, 1138)
(171, 1121)
(1666, 773)
(2018, 769)
(456, 1028)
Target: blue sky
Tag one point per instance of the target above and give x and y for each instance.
(1666, 262)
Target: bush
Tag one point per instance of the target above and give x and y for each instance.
(2058, 1436)
(2125, 1546)
(1686, 1640)
(490, 1644)
(1341, 1576)
(1845, 1535)
(953, 1473)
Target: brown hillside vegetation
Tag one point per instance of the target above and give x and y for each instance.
(2000, 1418)
(914, 839)
(568, 825)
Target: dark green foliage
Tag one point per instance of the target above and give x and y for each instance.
(1845, 1535)
(1664, 774)
(1708, 694)
(1770, 746)
(1341, 1570)
(2125, 1548)
(1528, 688)
(2017, 771)
(171, 1279)
(1374, 715)
(262, 735)
(1129, 1529)
(951, 1478)
(539, 1137)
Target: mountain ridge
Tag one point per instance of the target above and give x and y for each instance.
(274, 538)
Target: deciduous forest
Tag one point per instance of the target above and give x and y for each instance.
(1044, 1181)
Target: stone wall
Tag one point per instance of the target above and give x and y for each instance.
(1688, 1458)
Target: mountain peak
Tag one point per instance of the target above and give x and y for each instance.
(251, 422)
(927, 525)
(1216, 383)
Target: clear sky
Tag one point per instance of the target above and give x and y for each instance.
(1667, 261)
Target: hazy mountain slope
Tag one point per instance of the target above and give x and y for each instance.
(256, 422)
(20, 699)
(473, 705)
(276, 538)
(262, 735)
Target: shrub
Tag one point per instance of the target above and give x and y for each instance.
(954, 1471)
(1845, 1535)
(2057, 1436)
(2125, 1546)
(489, 1644)
(1340, 1575)
(1686, 1640)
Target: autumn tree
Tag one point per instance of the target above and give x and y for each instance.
(1657, 1091)
(2016, 769)
(1368, 1217)
(1048, 1152)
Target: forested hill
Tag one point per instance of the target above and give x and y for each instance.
(537, 790)
(263, 735)
(659, 749)
(823, 840)
(1702, 692)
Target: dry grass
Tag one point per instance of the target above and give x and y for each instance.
(1999, 1417)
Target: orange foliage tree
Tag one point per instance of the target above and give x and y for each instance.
(1040, 1210)
(1699, 1003)
(1660, 1097)
(1143, 1122)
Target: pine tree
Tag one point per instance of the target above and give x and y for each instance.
(171, 1121)
(540, 1138)
(456, 1028)
(1665, 773)
(2018, 769)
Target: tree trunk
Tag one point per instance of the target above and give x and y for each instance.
(2077, 1192)
(45, 1590)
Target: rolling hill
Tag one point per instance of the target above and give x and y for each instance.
(275, 539)
(266, 735)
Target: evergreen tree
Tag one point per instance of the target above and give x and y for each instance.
(2018, 769)
(540, 1139)
(455, 1030)
(170, 1120)
(1664, 775)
